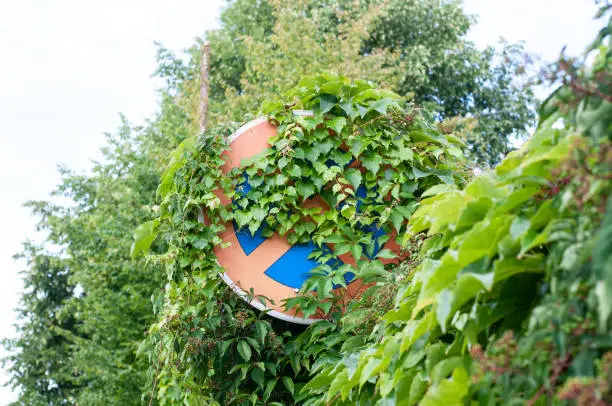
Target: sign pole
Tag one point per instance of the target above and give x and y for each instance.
(204, 84)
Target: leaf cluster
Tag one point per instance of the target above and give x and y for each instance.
(367, 154)
(513, 284)
(416, 48)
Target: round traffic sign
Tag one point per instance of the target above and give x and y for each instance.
(269, 267)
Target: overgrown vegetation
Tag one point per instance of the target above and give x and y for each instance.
(401, 154)
(500, 295)
(508, 303)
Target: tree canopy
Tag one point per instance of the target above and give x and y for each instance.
(87, 305)
(417, 48)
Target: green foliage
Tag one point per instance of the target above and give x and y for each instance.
(484, 241)
(497, 299)
(49, 329)
(417, 48)
(516, 263)
(446, 73)
(402, 154)
(88, 304)
(501, 294)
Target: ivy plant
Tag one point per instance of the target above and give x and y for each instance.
(366, 152)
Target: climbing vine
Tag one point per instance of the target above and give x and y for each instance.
(499, 295)
(366, 152)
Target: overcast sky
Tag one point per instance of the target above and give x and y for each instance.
(68, 67)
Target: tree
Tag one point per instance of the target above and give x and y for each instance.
(417, 47)
(83, 348)
(447, 73)
(47, 330)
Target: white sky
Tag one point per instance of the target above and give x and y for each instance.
(68, 67)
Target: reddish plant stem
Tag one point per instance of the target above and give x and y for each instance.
(560, 366)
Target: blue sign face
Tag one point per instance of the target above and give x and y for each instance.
(270, 267)
(296, 265)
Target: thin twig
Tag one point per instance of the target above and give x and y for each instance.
(560, 366)
(204, 85)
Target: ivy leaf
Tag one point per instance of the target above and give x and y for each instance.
(356, 251)
(242, 218)
(304, 189)
(386, 383)
(282, 162)
(260, 365)
(337, 124)
(438, 189)
(356, 147)
(327, 102)
(259, 213)
(445, 176)
(435, 353)
(319, 382)
(335, 238)
(269, 388)
(402, 387)
(144, 236)
(326, 306)
(386, 254)
(519, 227)
(371, 161)
(295, 171)
(395, 191)
(288, 382)
(339, 382)
(342, 248)
(417, 389)
(382, 105)
(257, 376)
(354, 177)
(333, 85)
(244, 368)
(255, 345)
(405, 154)
(407, 211)
(397, 218)
(312, 153)
(324, 146)
(244, 350)
(444, 368)
(372, 269)
(369, 370)
(507, 267)
(347, 106)
(418, 174)
(362, 110)
(444, 307)
(449, 392)
(262, 330)
(224, 345)
(200, 243)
